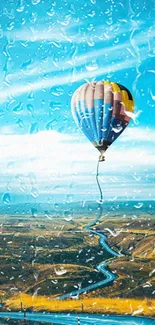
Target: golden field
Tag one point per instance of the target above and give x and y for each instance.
(116, 306)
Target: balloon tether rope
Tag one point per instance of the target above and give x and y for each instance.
(100, 190)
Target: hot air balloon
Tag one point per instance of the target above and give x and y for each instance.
(102, 110)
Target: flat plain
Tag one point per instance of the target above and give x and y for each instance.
(43, 258)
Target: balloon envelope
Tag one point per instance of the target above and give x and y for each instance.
(102, 110)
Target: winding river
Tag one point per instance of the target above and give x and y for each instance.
(82, 318)
(102, 267)
(72, 319)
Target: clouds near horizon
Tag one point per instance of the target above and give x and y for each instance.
(57, 163)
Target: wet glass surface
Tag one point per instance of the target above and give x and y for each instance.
(67, 243)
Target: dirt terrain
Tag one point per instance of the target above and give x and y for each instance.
(48, 257)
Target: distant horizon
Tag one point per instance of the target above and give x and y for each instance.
(61, 199)
(78, 207)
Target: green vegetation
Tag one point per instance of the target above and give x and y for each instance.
(49, 257)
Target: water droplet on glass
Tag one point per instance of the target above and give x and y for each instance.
(1, 112)
(69, 198)
(90, 42)
(35, 2)
(152, 95)
(113, 199)
(10, 26)
(6, 198)
(34, 212)
(50, 12)
(56, 205)
(57, 91)
(30, 108)
(134, 116)
(61, 271)
(34, 192)
(137, 178)
(117, 129)
(20, 6)
(139, 205)
(56, 44)
(31, 96)
(55, 106)
(92, 66)
(18, 108)
(48, 214)
(23, 21)
(34, 128)
(92, 13)
(1, 32)
(26, 64)
(49, 125)
(68, 215)
(104, 129)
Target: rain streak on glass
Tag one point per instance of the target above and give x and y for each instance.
(76, 233)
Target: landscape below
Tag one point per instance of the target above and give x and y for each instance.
(43, 258)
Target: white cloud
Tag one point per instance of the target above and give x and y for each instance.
(41, 67)
(67, 34)
(49, 150)
(139, 134)
(72, 34)
(133, 45)
(61, 163)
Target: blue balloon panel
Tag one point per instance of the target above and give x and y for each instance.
(97, 123)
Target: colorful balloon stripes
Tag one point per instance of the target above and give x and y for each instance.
(101, 110)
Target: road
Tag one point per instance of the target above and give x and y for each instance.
(85, 319)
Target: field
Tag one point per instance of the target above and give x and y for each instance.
(145, 307)
(42, 258)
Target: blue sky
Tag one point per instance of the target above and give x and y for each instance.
(48, 49)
